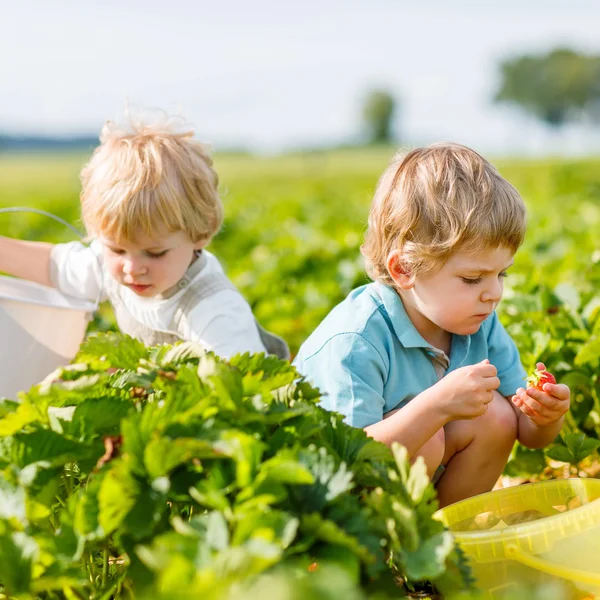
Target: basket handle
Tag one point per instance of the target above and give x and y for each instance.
(576, 575)
(38, 211)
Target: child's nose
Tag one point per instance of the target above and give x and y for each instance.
(493, 293)
(133, 267)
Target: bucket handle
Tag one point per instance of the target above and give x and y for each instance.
(38, 211)
(576, 575)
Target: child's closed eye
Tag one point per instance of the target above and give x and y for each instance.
(156, 254)
(476, 280)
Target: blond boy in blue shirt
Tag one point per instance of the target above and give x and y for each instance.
(419, 356)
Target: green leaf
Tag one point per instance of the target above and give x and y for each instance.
(147, 514)
(525, 462)
(12, 501)
(429, 560)
(223, 379)
(8, 406)
(328, 531)
(179, 353)
(99, 416)
(18, 553)
(245, 450)
(12, 422)
(111, 350)
(48, 445)
(400, 454)
(580, 446)
(560, 453)
(284, 468)
(589, 353)
(163, 454)
(355, 448)
(86, 522)
(417, 480)
(118, 494)
(340, 557)
(271, 525)
(217, 532)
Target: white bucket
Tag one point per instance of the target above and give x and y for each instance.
(41, 329)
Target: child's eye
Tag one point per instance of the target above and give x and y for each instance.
(503, 274)
(156, 254)
(471, 281)
(117, 251)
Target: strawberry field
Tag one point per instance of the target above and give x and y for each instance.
(166, 473)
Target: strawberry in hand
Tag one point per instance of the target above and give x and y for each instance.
(544, 401)
(538, 378)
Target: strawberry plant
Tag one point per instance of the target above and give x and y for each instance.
(152, 471)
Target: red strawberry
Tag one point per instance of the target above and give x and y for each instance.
(538, 378)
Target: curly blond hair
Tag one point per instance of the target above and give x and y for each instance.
(435, 200)
(150, 176)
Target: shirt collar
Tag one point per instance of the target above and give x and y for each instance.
(403, 327)
(407, 333)
(194, 269)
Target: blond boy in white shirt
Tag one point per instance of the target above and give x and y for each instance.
(150, 201)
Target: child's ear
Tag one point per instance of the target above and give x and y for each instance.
(399, 270)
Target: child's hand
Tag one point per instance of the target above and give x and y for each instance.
(468, 390)
(544, 404)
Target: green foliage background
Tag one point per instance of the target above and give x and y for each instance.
(291, 241)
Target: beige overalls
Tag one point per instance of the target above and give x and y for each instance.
(196, 292)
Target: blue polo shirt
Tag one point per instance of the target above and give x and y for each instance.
(367, 358)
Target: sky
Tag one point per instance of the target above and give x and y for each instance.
(271, 75)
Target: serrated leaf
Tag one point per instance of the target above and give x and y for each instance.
(99, 416)
(86, 522)
(162, 454)
(328, 531)
(429, 560)
(180, 353)
(118, 494)
(111, 350)
(245, 450)
(45, 444)
(223, 379)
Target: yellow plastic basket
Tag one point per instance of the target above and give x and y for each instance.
(531, 534)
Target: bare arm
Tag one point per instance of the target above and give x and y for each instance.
(27, 260)
(462, 394)
(536, 436)
(414, 424)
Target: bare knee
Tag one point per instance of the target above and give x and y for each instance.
(433, 451)
(499, 423)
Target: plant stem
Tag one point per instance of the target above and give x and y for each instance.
(105, 566)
